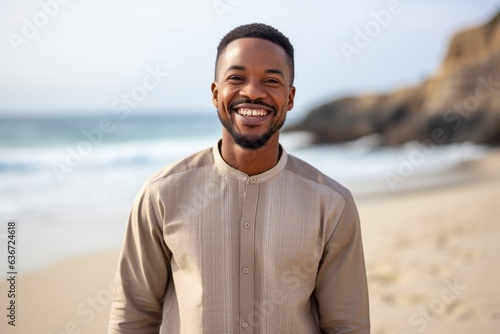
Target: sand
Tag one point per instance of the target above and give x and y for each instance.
(431, 255)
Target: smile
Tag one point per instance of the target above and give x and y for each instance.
(247, 112)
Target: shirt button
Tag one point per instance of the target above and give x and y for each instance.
(247, 225)
(244, 325)
(246, 270)
(253, 179)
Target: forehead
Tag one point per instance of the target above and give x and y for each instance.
(254, 53)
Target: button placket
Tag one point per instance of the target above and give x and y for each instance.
(247, 253)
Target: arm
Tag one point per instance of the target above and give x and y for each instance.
(143, 272)
(341, 286)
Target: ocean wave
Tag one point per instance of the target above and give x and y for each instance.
(362, 167)
(133, 153)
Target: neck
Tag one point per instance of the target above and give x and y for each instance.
(250, 162)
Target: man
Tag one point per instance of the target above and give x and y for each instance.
(243, 237)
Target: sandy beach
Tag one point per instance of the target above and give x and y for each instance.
(431, 255)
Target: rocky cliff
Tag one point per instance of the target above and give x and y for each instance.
(461, 102)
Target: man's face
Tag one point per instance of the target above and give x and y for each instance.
(253, 91)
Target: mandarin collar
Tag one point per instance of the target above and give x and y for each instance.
(241, 176)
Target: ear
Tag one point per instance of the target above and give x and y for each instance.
(291, 97)
(215, 94)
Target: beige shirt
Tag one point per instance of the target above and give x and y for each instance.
(209, 249)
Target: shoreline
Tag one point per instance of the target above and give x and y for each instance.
(466, 173)
(430, 256)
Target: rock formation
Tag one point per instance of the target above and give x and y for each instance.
(461, 102)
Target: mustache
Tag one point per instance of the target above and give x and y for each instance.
(249, 101)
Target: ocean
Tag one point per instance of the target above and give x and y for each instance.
(69, 182)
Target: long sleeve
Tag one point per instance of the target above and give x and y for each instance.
(341, 285)
(143, 271)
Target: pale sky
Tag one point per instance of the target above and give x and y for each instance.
(81, 56)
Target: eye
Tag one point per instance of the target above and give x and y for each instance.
(235, 78)
(272, 81)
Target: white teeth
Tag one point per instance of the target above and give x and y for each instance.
(252, 112)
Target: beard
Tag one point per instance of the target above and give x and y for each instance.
(252, 142)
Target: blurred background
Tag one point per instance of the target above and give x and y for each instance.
(397, 100)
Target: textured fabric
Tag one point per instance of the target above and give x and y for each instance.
(209, 249)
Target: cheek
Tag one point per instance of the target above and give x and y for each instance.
(282, 102)
(226, 96)
(227, 92)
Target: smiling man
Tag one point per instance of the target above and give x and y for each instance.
(243, 237)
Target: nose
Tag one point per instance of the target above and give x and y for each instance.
(253, 90)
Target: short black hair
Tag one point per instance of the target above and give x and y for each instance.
(262, 31)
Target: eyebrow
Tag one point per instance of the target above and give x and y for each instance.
(242, 68)
(275, 71)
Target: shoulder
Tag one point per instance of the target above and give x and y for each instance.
(304, 170)
(336, 200)
(190, 163)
